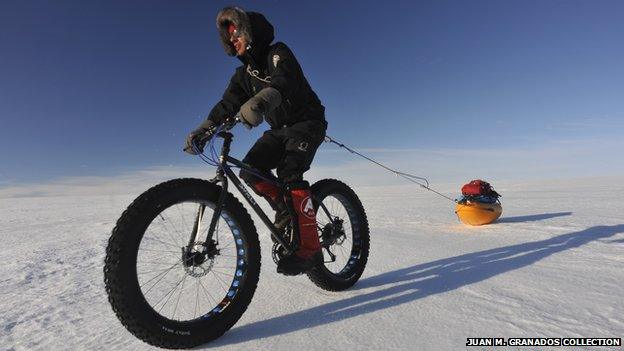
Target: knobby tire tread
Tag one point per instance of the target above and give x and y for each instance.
(322, 277)
(123, 304)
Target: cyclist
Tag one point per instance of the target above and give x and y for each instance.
(270, 85)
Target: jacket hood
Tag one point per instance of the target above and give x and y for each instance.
(252, 26)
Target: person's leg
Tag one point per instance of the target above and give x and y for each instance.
(265, 155)
(299, 201)
(300, 149)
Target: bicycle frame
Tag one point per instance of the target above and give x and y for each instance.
(225, 172)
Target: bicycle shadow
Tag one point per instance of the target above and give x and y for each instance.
(409, 284)
(532, 218)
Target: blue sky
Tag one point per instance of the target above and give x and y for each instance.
(97, 88)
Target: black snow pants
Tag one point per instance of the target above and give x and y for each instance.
(290, 150)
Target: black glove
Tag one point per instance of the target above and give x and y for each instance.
(254, 109)
(191, 139)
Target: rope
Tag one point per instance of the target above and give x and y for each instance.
(213, 160)
(407, 176)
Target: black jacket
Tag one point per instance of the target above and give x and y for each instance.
(265, 65)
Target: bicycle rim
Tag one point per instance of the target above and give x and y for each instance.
(201, 287)
(345, 246)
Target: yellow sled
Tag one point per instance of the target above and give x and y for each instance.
(477, 213)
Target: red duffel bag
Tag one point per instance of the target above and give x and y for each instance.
(478, 187)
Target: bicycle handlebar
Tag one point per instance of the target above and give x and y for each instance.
(227, 124)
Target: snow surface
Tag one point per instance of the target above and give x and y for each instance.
(552, 266)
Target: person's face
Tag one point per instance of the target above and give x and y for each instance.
(240, 43)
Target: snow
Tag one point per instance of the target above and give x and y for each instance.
(552, 266)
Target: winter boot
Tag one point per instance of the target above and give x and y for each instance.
(274, 197)
(308, 253)
(295, 264)
(282, 217)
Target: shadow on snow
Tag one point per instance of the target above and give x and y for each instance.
(412, 283)
(532, 218)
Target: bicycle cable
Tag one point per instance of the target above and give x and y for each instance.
(212, 158)
(407, 176)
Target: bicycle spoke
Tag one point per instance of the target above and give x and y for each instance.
(182, 215)
(228, 246)
(196, 298)
(179, 295)
(223, 273)
(171, 294)
(164, 273)
(343, 247)
(162, 242)
(148, 272)
(143, 249)
(221, 282)
(169, 232)
(155, 262)
(207, 293)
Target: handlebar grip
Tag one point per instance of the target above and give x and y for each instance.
(227, 124)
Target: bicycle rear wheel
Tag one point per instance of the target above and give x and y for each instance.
(171, 292)
(344, 236)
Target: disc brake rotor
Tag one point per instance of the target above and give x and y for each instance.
(198, 270)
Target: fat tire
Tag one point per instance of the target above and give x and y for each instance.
(320, 275)
(125, 295)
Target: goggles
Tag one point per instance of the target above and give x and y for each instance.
(233, 31)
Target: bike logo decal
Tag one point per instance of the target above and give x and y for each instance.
(303, 146)
(248, 195)
(307, 208)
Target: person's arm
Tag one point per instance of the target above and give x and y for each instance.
(233, 98)
(288, 75)
(285, 81)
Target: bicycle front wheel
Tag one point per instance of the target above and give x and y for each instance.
(171, 291)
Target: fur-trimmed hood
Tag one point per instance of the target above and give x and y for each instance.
(253, 26)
